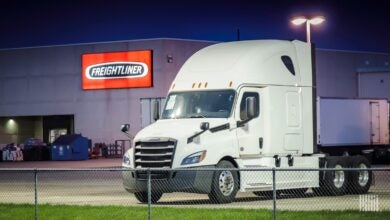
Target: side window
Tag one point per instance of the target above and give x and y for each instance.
(289, 64)
(243, 101)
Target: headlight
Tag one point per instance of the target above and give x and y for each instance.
(194, 158)
(126, 160)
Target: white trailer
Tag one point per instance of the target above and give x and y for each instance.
(352, 126)
(245, 104)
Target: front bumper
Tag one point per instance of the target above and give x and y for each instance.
(191, 180)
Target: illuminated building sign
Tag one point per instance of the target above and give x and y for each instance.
(132, 69)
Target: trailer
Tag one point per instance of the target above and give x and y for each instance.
(248, 105)
(353, 126)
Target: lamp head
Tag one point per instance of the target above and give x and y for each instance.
(317, 20)
(298, 20)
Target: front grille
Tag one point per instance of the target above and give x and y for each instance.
(154, 154)
(148, 154)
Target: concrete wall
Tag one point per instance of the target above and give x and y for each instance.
(47, 81)
(337, 70)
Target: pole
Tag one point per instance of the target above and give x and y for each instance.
(149, 196)
(308, 31)
(36, 193)
(274, 191)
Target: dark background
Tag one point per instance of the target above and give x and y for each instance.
(350, 25)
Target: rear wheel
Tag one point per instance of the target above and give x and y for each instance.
(225, 183)
(360, 181)
(143, 196)
(334, 182)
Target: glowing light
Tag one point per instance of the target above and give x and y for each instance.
(11, 126)
(312, 21)
(317, 20)
(299, 20)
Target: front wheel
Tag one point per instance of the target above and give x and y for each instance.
(224, 186)
(143, 196)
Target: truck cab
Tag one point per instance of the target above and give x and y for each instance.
(245, 105)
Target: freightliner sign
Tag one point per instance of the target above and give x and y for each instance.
(130, 69)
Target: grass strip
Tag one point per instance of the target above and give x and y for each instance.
(60, 212)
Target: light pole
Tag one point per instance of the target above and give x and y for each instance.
(309, 21)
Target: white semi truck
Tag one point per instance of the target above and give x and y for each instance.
(248, 105)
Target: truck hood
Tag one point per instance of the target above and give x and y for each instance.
(218, 144)
(176, 128)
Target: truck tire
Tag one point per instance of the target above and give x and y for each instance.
(333, 183)
(225, 183)
(143, 196)
(360, 181)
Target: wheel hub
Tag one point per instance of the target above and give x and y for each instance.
(339, 177)
(226, 182)
(364, 175)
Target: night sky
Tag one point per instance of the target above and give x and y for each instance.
(350, 25)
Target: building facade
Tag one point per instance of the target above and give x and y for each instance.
(41, 91)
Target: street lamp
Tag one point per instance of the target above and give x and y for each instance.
(309, 21)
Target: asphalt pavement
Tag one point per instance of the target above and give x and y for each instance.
(105, 188)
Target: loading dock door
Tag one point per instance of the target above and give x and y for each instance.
(374, 85)
(64, 123)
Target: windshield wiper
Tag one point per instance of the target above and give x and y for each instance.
(212, 130)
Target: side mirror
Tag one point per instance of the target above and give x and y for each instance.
(204, 126)
(250, 107)
(156, 110)
(125, 128)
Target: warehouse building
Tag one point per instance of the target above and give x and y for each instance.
(54, 90)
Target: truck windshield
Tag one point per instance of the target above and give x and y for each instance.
(199, 104)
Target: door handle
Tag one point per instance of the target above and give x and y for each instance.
(261, 143)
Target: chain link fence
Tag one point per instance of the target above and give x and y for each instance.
(270, 189)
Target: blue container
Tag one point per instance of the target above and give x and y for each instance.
(70, 147)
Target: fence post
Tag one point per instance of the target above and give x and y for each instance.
(274, 191)
(149, 196)
(36, 193)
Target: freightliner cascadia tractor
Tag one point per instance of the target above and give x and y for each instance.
(248, 105)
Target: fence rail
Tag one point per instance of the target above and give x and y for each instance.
(273, 189)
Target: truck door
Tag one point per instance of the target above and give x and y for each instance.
(250, 135)
(375, 122)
